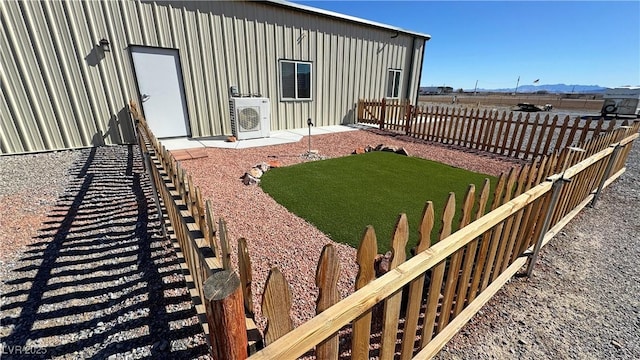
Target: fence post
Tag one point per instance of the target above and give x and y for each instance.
(408, 119)
(555, 192)
(607, 172)
(225, 315)
(383, 113)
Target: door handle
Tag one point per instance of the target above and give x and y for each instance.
(145, 97)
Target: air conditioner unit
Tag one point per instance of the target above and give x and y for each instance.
(250, 117)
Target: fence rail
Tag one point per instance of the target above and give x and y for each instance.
(202, 246)
(508, 134)
(445, 283)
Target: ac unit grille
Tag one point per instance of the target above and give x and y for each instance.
(249, 118)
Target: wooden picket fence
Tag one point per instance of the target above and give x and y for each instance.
(414, 309)
(201, 243)
(508, 134)
(432, 295)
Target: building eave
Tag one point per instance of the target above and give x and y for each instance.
(348, 18)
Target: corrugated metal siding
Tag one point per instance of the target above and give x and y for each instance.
(60, 91)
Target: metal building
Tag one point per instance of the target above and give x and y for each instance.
(69, 68)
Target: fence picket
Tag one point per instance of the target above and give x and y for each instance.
(598, 128)
(246, 275)
(517, 220)
(367, 252)
(442, 129)
(392, 303)
(470, 256)
(408, 130)
(503, 148)
(541, 135)
(490, 131)
(327, 276)
(612, 124)
(211, 229)
(572, 133)
(585, 130)
(431, 122)
(424, 119)
(550, 136)
(202, 224)
(462, 119)
(468, 120)
(563, 129)
(477, 137)
(437, 275)
(436, 124)
(453, 272)
(451, 126)
(440, 121)
(455, 123)
(477, 128)
(532, 136)
(276, 306)
(493, 146)
(416, 287)
(225, 256)
(506, 230)
(193, 200)
(383, 113)
(501, 196)
(521, 235)
(484, 242)
(523, 125)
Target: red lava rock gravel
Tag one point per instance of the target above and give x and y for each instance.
(279, 238)
(86, 274)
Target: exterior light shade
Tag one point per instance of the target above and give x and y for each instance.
(104, 45)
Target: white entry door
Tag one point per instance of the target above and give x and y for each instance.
(159, 77)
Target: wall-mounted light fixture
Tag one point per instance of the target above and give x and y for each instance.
(301, 37)
(104, 45)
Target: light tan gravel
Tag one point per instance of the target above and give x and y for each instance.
(277, 237)
(583, 300)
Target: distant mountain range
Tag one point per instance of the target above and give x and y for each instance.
(553, 89)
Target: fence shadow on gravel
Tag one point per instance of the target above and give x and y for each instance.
(101, 280)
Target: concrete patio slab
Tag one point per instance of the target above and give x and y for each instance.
(276, 138)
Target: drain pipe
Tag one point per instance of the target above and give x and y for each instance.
(424, 47)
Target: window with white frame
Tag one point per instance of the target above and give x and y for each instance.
(295, 80)
(393, 83)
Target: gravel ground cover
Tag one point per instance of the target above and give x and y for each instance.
(582, 301)
(78, 273)
(86, 273)
(277, 237)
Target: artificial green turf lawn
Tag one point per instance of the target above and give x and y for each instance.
(342, 196)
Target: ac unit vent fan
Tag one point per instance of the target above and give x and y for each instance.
(249, 118)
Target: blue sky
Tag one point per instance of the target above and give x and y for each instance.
(495, 42)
